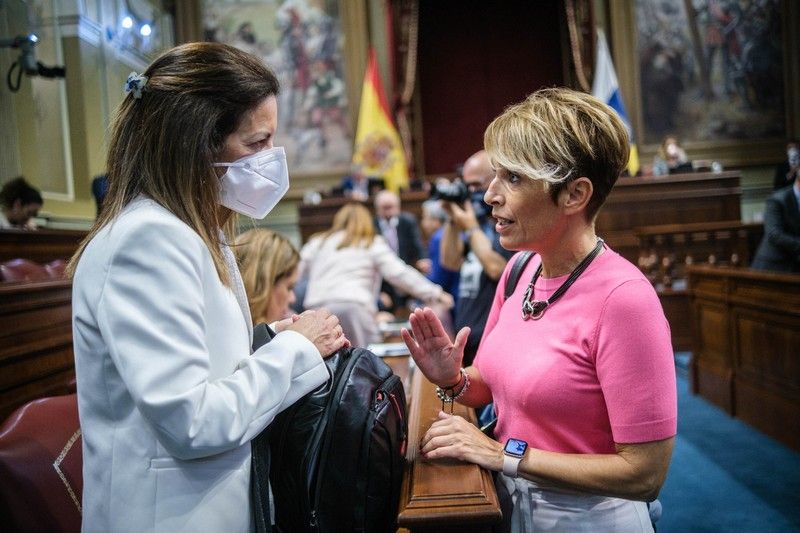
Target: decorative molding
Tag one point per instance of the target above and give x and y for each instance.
(82, 27)
(57, 467)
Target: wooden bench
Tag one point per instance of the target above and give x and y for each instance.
(36, 357)
(41, 246)
(666, 250)
(747, 346)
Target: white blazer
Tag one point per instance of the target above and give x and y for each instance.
(169, 395)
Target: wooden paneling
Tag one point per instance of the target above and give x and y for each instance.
(442, 495)
(676, 199)
(36, 357)
(747, 330)
(40, 246)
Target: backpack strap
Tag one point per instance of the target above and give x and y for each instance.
(516, 272)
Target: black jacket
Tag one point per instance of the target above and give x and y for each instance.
(780, 248)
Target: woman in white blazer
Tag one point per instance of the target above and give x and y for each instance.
(169, 393)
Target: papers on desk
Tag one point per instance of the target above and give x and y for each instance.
(393, 328)
(389, 349)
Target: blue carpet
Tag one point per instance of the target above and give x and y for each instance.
(725, 475)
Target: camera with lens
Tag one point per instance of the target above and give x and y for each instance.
(456, 192)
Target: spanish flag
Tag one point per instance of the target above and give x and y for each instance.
(378, 148)
(606, 89)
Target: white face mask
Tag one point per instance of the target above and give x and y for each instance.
(254, 184)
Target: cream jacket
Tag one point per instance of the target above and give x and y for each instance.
(169, 395)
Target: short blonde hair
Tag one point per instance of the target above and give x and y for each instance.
(355, 221)
(264, 258)
(556, 135)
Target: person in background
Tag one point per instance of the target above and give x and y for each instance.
(19, 203)
(401, 232)
(432, 223)
(779, 249)
(471, 245)
(671, 158)
(99, 191)
(358, 186)
(786, 172)
(586, 403)
(170, 392)
(345, 265)
(269, 265)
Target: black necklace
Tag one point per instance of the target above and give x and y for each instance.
(536, 308)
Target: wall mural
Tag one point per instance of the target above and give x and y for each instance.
(710, 70)
(302, 41)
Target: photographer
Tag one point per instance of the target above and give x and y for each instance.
(471, 246)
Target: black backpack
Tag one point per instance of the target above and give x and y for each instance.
(335, 458)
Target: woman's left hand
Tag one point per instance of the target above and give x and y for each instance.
(453, 437)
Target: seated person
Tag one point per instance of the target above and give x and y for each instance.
(786, 171)
(19, 203)
(358, 186)
(671, 158)
(779, 249)
(269, 265)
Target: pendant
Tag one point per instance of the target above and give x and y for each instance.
(534, 310)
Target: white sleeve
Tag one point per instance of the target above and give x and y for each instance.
(399, 274)
(151, 315)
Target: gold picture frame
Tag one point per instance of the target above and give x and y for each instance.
(739, 145)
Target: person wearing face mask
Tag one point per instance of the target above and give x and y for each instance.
(170, 393)
(471, 246)
(269, 265)
(787, 171)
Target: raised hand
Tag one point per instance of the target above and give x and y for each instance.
(437, 357)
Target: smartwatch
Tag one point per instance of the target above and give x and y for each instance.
(513, 452)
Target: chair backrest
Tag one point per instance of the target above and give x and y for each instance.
(55, 269)
(40, 466)
(23, 270)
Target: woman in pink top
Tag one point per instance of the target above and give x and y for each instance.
(578, 360)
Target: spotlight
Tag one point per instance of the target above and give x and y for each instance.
(127, 23)
(145, 30)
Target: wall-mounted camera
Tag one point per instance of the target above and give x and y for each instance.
(27, 62)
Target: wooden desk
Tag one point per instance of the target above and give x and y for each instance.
(442, 496)
(40, 246)
(747, 346)
(313, 218)
(36, 357)
(675, 199)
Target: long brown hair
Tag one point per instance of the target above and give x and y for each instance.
(265, 258)
(163, 144)
(356, 223)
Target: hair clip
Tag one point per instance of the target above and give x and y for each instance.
(135, 83)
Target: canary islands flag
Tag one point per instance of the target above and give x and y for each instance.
(378, 148)
(606, 89)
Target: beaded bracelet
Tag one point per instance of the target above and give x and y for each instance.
(446, 398)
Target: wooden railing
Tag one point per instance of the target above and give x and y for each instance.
(674, 199)
(442, 495)
(747, 346)
(666, 250)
